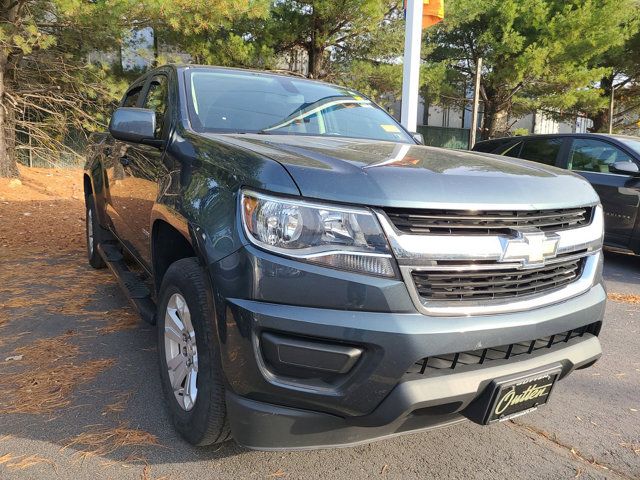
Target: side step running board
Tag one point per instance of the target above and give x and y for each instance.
(137, 292)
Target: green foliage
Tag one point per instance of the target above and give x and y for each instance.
(537, 53)
(622, 70)
(369, 60)
(192, 17)
(217, 34)
(328, 27)
(60, 60)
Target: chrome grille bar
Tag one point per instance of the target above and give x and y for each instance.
(451, 265)
(486, 222)
(422, 249)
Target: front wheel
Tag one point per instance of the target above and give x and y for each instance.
(190, 369)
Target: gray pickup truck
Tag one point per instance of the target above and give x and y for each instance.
(319, 278)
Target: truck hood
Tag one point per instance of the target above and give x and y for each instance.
(388, 174)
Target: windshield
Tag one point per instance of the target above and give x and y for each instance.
(631, 143)
(227, 101)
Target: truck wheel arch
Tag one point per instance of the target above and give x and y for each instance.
(88, 189)
(168, 245)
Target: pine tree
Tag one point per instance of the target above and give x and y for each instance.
(49, 88)
(537, 53)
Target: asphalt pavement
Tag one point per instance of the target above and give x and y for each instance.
(98, 412)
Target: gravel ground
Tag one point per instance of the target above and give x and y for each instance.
(103, 375)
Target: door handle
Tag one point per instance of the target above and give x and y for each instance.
(124, 160)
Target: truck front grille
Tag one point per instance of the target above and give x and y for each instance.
(499, 283)
(486, 222)
(461, 360)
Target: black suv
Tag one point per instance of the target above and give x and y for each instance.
(610, 162)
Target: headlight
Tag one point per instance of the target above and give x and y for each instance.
(340, 237)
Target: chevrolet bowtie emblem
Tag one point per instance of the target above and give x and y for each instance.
(530, 248)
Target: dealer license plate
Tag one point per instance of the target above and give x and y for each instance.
(517, 397)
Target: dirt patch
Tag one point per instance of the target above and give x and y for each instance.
(43, 212)
(42, 184)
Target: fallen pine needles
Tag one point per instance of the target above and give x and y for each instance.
(105, 441)
(624, 297)
(53, 371)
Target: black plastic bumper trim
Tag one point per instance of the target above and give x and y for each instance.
(280, 350)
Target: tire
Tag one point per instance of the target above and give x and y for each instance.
(201, 420)
(94, 234)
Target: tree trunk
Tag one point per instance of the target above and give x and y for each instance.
(496, 120)
(315, 61)
(600, 118)
(8, 167)
(600, 121)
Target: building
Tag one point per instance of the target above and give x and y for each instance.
(448, 126)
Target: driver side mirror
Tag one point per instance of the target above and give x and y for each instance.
(626, 167)
(135, 125)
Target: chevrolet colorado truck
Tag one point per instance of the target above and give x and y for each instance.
(319, 278)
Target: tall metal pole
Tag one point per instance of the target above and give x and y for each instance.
(411, 66)
(476, 103)
(611, 102)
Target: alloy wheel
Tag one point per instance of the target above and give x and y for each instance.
(181, 352)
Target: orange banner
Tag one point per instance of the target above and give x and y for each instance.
(432, 12)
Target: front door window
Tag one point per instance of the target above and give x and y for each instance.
(157, 101)
(589, 155)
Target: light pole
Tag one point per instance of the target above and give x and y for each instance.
(611, 104)
(476, 102)
(411, 66)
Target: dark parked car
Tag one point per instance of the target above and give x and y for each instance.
(319, 278)
(611, 163)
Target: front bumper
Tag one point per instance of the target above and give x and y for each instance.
(375, 398)
(412, 406)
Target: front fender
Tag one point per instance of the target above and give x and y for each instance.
(202, 196)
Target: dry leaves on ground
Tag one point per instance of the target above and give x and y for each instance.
(44, 212)
(122, 319)
(635, 447)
